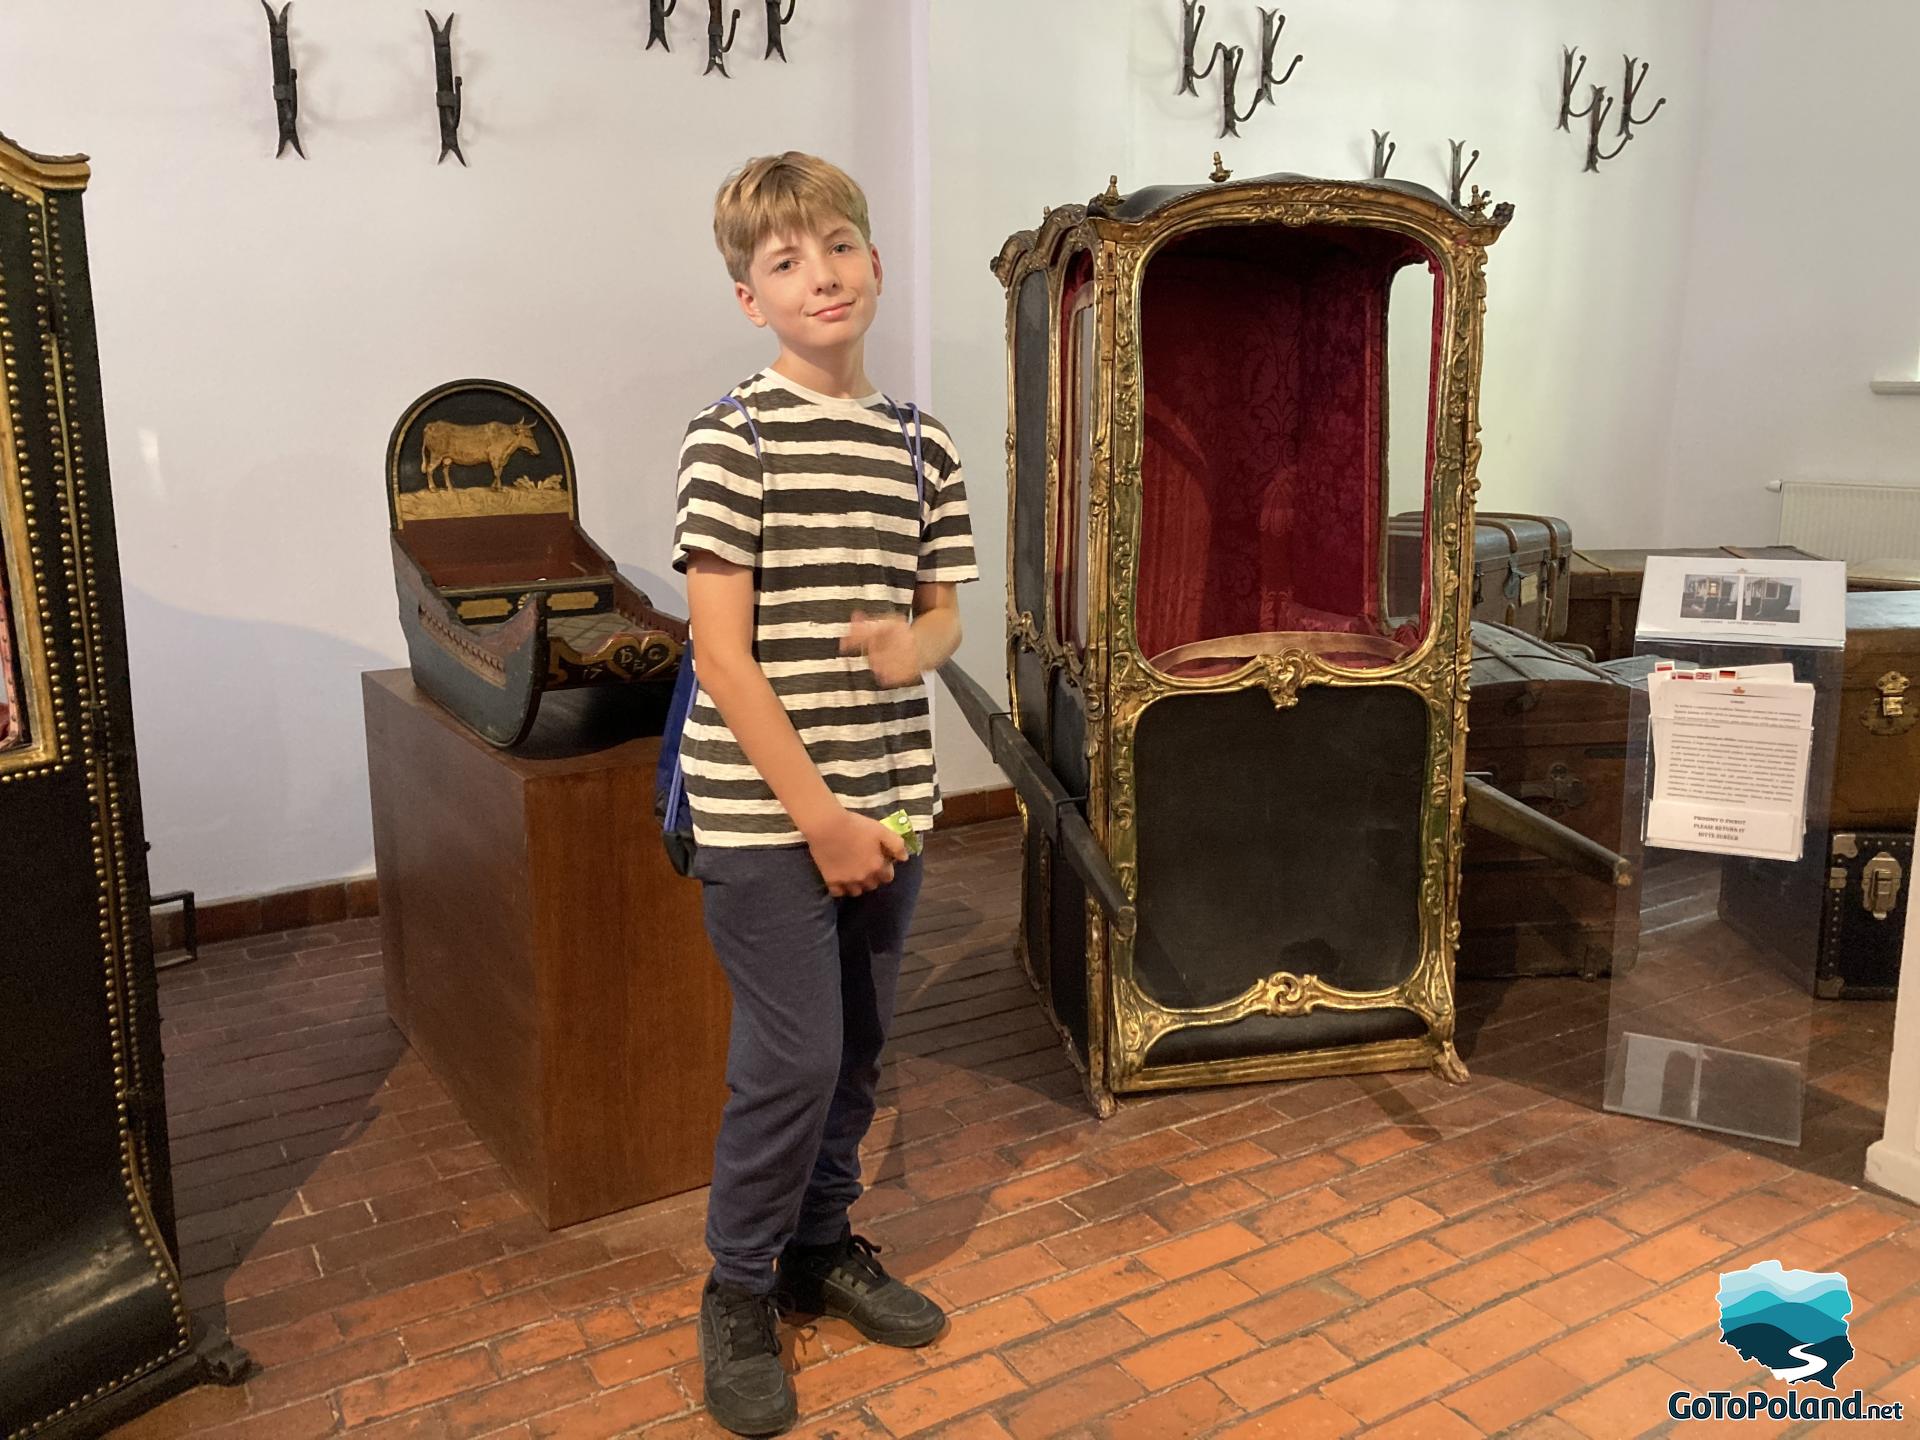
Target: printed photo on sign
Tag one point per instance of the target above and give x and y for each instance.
(1774, 602)
(1710, 597)
(1771, 600)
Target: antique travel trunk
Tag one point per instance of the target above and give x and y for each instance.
(1542, 546)
(502, 595)
(1241, 778)
(94, 1324)
(1877, 758)
(1603, 591)
(1551, 729)
(1863, 877)
(1520, 569)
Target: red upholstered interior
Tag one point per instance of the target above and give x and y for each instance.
(1262, 474)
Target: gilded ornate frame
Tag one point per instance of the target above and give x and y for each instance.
(27, 503)
(1120, 682)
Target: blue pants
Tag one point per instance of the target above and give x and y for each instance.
(813, 980)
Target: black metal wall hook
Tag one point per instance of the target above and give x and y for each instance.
(1569, 77)
(657, 13)
(286, 91)
(776, 22)
(1456, 174)
(719, 38)
(1272, 22)
(1382, 153)
(1193, 15)
(446, 88)
(1230, 116)
(1630, 89)
(1598, 105)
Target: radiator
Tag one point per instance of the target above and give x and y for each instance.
(1850, 522)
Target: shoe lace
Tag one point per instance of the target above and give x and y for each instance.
(749, 1324)
(862, 1257)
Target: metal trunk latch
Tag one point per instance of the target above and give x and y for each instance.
(1562, 790)
(1880, 885)
(1887, 713)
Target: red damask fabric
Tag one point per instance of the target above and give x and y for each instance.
(1263, 352)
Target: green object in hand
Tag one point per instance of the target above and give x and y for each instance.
(901, 825)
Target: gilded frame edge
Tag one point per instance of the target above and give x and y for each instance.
(42, 752)
(1064, 234)
(40, 173)
(46, 750)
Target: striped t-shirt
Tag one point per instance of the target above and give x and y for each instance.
(828, 517)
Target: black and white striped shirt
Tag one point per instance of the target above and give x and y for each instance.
(827, 516)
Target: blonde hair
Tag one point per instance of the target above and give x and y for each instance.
(784, 194)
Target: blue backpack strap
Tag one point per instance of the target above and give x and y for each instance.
(674, 810)
(753, 430)
(913, 441)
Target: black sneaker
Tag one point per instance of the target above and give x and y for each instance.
(748, 1391)
(846, 1280)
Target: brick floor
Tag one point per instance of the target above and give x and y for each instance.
(1307, 1259)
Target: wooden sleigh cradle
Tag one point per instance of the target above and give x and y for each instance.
(503, 596)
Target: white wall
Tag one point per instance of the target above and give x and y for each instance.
(264, 322)
(1024, 105)
(1802, 281)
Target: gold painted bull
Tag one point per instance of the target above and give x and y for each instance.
(444, 444)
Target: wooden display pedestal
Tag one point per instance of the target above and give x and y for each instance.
(541, 955)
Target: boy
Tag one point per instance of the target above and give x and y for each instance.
(820, 583)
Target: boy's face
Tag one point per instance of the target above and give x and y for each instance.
(816, 292)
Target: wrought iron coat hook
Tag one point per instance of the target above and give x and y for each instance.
(776, 22)
(286, 93)
(1382, 153)
(1269, 42)
(1456, 175)
(1230, 116)
(447, 85)
(657, 13)
(1598, 105)
(1569, 77)
(1631, 89)
(1192, 17)
(717, 47)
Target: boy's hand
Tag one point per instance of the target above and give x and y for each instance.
(889, 646)
(855, 854)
